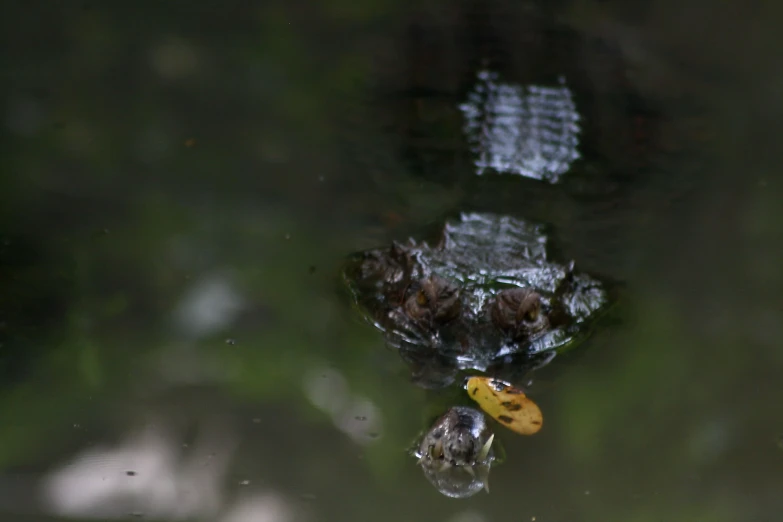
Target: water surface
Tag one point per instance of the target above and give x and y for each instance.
(182, 184)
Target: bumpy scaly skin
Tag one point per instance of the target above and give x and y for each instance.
(436, 302)
(486, 291)
(518, 312)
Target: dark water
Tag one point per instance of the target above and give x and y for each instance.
(179, 188)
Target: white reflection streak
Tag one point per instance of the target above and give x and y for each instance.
(327, 390)
(209, 305)
(360, 419)
(356, 416)
(530, 131)
(267, 507)
(141, 476)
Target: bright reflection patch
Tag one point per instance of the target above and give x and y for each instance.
(532, 131)
(356, 416)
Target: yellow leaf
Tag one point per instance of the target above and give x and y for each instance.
(506, 404)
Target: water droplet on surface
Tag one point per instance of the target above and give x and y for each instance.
(244, 482)
(231, 341)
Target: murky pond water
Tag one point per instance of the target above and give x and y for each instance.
(182, 186)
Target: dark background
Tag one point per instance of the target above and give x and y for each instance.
(181, 181)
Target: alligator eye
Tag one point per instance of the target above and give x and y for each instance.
(532, 312)
(436, 451)
(529, 308)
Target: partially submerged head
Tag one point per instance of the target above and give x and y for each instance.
(485, 291)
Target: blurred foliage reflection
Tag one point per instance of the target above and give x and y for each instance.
(181, 184)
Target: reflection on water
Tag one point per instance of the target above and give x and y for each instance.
(150, 476)
(532, 131)
(210, 305)
(145, 123)
(355, 416)
(142, 475)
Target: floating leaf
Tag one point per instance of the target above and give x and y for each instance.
(506, 404)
